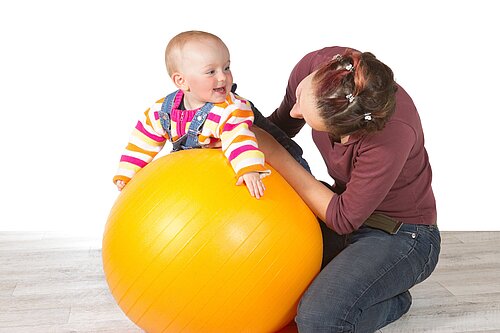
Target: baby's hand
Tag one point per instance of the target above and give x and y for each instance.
(120, 184)
(254, 184)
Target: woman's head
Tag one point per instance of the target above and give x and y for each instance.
(352, 93)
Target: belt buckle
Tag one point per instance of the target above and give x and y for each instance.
(396, 228)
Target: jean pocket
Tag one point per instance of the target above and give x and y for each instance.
(430, 249)
(429, 265)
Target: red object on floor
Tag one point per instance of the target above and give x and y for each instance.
(291, 328)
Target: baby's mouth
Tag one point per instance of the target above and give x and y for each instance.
(221, 90)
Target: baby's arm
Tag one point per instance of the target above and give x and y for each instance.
(239, 143)
(146, 141)
(254, 184)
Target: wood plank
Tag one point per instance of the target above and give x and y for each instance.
(52, 282)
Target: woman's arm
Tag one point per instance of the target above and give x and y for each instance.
(308, 64)
(316, 195)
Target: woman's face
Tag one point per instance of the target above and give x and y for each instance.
(305, 105)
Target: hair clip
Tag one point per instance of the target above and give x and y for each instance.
(349, 68)
(337, 57)
(368, 116)
(350, 98)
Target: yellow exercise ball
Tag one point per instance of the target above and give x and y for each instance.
(186, 250)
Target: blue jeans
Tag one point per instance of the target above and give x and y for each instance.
(364, 282)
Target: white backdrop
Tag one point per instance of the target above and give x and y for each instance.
(75, 75)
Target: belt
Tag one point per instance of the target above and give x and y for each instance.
(383, 222)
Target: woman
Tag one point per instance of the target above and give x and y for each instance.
(379, 218)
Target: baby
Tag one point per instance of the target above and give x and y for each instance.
(201, 111)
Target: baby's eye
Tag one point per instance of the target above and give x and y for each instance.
(211, 72)
(227, 69)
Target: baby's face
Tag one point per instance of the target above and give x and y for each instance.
(205, 66)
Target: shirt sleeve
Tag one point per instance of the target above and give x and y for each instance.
(281, 116)
(308, 64)
(146, 141)
(239, 143)
(380, 160)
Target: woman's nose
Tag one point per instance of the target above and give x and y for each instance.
(295, 112)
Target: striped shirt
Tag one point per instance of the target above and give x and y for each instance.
(229, 121)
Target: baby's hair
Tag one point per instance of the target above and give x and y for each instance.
(355, 93)
(177, 43)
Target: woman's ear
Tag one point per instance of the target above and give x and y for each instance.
(180, 81)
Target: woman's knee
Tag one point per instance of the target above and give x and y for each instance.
(315, 314)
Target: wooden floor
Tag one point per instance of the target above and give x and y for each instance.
(53, 283)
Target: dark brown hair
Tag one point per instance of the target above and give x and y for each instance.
(355, 93)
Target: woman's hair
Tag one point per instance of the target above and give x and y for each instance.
(355, 93)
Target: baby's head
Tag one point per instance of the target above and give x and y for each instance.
(198, 63)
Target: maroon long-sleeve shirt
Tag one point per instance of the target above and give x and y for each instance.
(385, 172)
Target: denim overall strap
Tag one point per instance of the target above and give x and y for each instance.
(166, 108)
(194, 128)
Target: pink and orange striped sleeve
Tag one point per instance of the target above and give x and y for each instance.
(231, 122)
(146, 141)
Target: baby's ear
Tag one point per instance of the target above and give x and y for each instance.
(179, 81)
